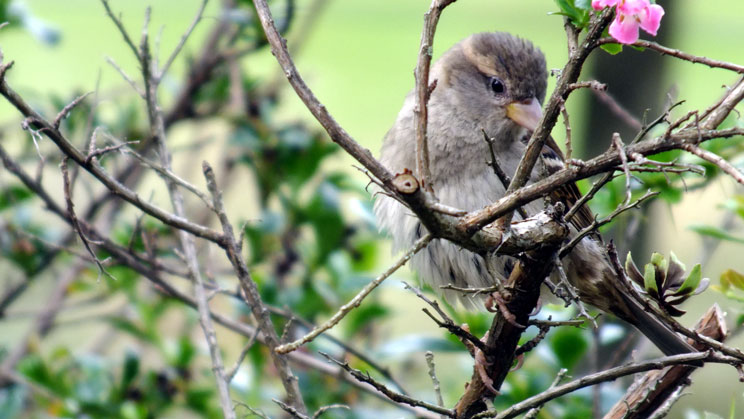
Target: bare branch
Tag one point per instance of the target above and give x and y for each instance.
(357, 300)
(617, 109)
(725, 106)
(38, 122)
(678, 54)
(400, 398)
(598, 223)
(67, 109)
(657, 388)
(498, 171)
(429, 355)
(600, 377)
(334, 130)
(126, 77)
(324, 409)
(76, 225)
(591, 84)
(717, 160)
(420, 110)
(250, 290)
(120, 27)
(569, 74)
(159, 76)
(229, 375)
(558, 378)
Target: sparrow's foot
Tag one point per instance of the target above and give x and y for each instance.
(537, 308)
(481, 367)
(501, 307)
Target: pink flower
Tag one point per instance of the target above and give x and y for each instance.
(601, 4)
(631, 15)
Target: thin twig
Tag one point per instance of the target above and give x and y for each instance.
(567, 123)
(159, 76)
(67, 109)
(532, 413)
(447, 323)
(664, 409)
(229, 375)
(253, 297)
(598, 223)
(168, 175)
(101, 151)
(619, 110)
(324, 409)
(617, 142)
(596, 186)
(600, 377)
(591, 84)
(76, 225)
(679, 54)
(186, 240)
(429, 355)
(319, 111)
(126, 77)
(420, 109)
(498, 171)
(400, 398)
(120, 27)
(357, 300)
(717, 160)
(112, 184)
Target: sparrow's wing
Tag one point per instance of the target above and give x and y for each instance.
(568, 193)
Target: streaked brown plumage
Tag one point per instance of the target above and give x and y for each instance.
(494, 82)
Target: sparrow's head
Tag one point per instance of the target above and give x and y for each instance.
(495, 77)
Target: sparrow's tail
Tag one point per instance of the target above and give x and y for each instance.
(591, 273)
(659, 333)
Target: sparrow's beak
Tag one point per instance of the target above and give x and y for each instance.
(526, 113)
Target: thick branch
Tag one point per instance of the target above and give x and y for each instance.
(569, 75)
(652, 389)
(600, 377)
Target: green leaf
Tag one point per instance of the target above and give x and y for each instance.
(730, 277)
(649, 280)
(13, 195)
(129, 371)
(612, 49)
(575, 10)
(715, 232)
(658, 260)
(569, 345)
(692, 281)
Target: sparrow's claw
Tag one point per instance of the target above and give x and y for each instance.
(520, 361)
(480, 367)
(501, 307)
(537, 308)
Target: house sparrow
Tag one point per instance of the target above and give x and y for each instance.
(494, 83)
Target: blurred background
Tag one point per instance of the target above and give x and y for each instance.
(358, 57)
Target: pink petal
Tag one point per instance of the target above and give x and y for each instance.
(624, 29)
(632, 7)
(651, 18)
(601, 4)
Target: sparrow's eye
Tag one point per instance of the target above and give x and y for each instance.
(496, 85)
